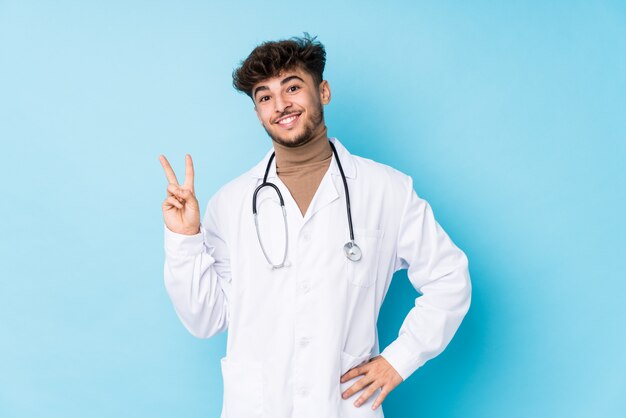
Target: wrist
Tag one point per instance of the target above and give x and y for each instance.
(183, 245)
(190, 231)
(184, 231)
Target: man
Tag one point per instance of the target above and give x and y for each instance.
(300, 290)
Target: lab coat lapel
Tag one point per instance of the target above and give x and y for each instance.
(326, 194)
(328, 190)
(293, 211)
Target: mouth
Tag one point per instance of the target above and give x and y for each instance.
(288, 121)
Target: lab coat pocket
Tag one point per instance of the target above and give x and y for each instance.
(363, 272)
(243, 388)
(348, 410)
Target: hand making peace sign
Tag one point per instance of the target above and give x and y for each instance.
(181, 211)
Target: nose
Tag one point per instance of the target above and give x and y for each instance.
(281, 103)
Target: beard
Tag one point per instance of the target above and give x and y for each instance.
(308, 131)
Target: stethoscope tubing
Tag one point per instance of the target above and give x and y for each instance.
(349, 248)
(345, 188)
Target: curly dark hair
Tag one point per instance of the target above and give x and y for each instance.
(273, 57)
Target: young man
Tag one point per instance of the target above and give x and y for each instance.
(299, 287)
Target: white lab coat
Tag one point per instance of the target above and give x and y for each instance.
(293, 332)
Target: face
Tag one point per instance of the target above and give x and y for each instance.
(290, 107)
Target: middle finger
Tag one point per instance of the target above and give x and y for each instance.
(357, 386)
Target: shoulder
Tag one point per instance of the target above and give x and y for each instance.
(378, 174)
(232, 192)
(385, 190)
(235, 191)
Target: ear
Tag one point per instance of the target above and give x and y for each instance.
(324, 92)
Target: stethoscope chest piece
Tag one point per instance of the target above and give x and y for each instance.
(353, 252)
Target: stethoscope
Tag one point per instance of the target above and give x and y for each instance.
(351, 249)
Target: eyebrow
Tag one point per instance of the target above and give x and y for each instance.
(282, 82)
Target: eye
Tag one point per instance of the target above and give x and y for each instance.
(264, 98)
(293, 88)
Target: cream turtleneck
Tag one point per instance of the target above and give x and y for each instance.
(302, 168)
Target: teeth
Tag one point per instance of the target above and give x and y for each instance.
(288, 120)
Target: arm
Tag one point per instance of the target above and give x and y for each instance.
(197, 277)
(197, 266)
(439, 271)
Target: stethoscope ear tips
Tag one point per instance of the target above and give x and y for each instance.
(353, 252)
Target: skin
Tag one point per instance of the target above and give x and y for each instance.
(291, 93)
(377, 373)
(181, 211)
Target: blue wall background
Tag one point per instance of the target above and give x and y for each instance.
(509, 117)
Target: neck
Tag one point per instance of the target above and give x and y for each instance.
(317, 149)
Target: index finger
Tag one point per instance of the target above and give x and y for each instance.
(169, 173)
(188, 172)
(352, 373)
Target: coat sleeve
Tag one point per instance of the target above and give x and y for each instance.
(197, 276)
(437, 269)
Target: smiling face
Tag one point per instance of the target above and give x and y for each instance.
(290, 106)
